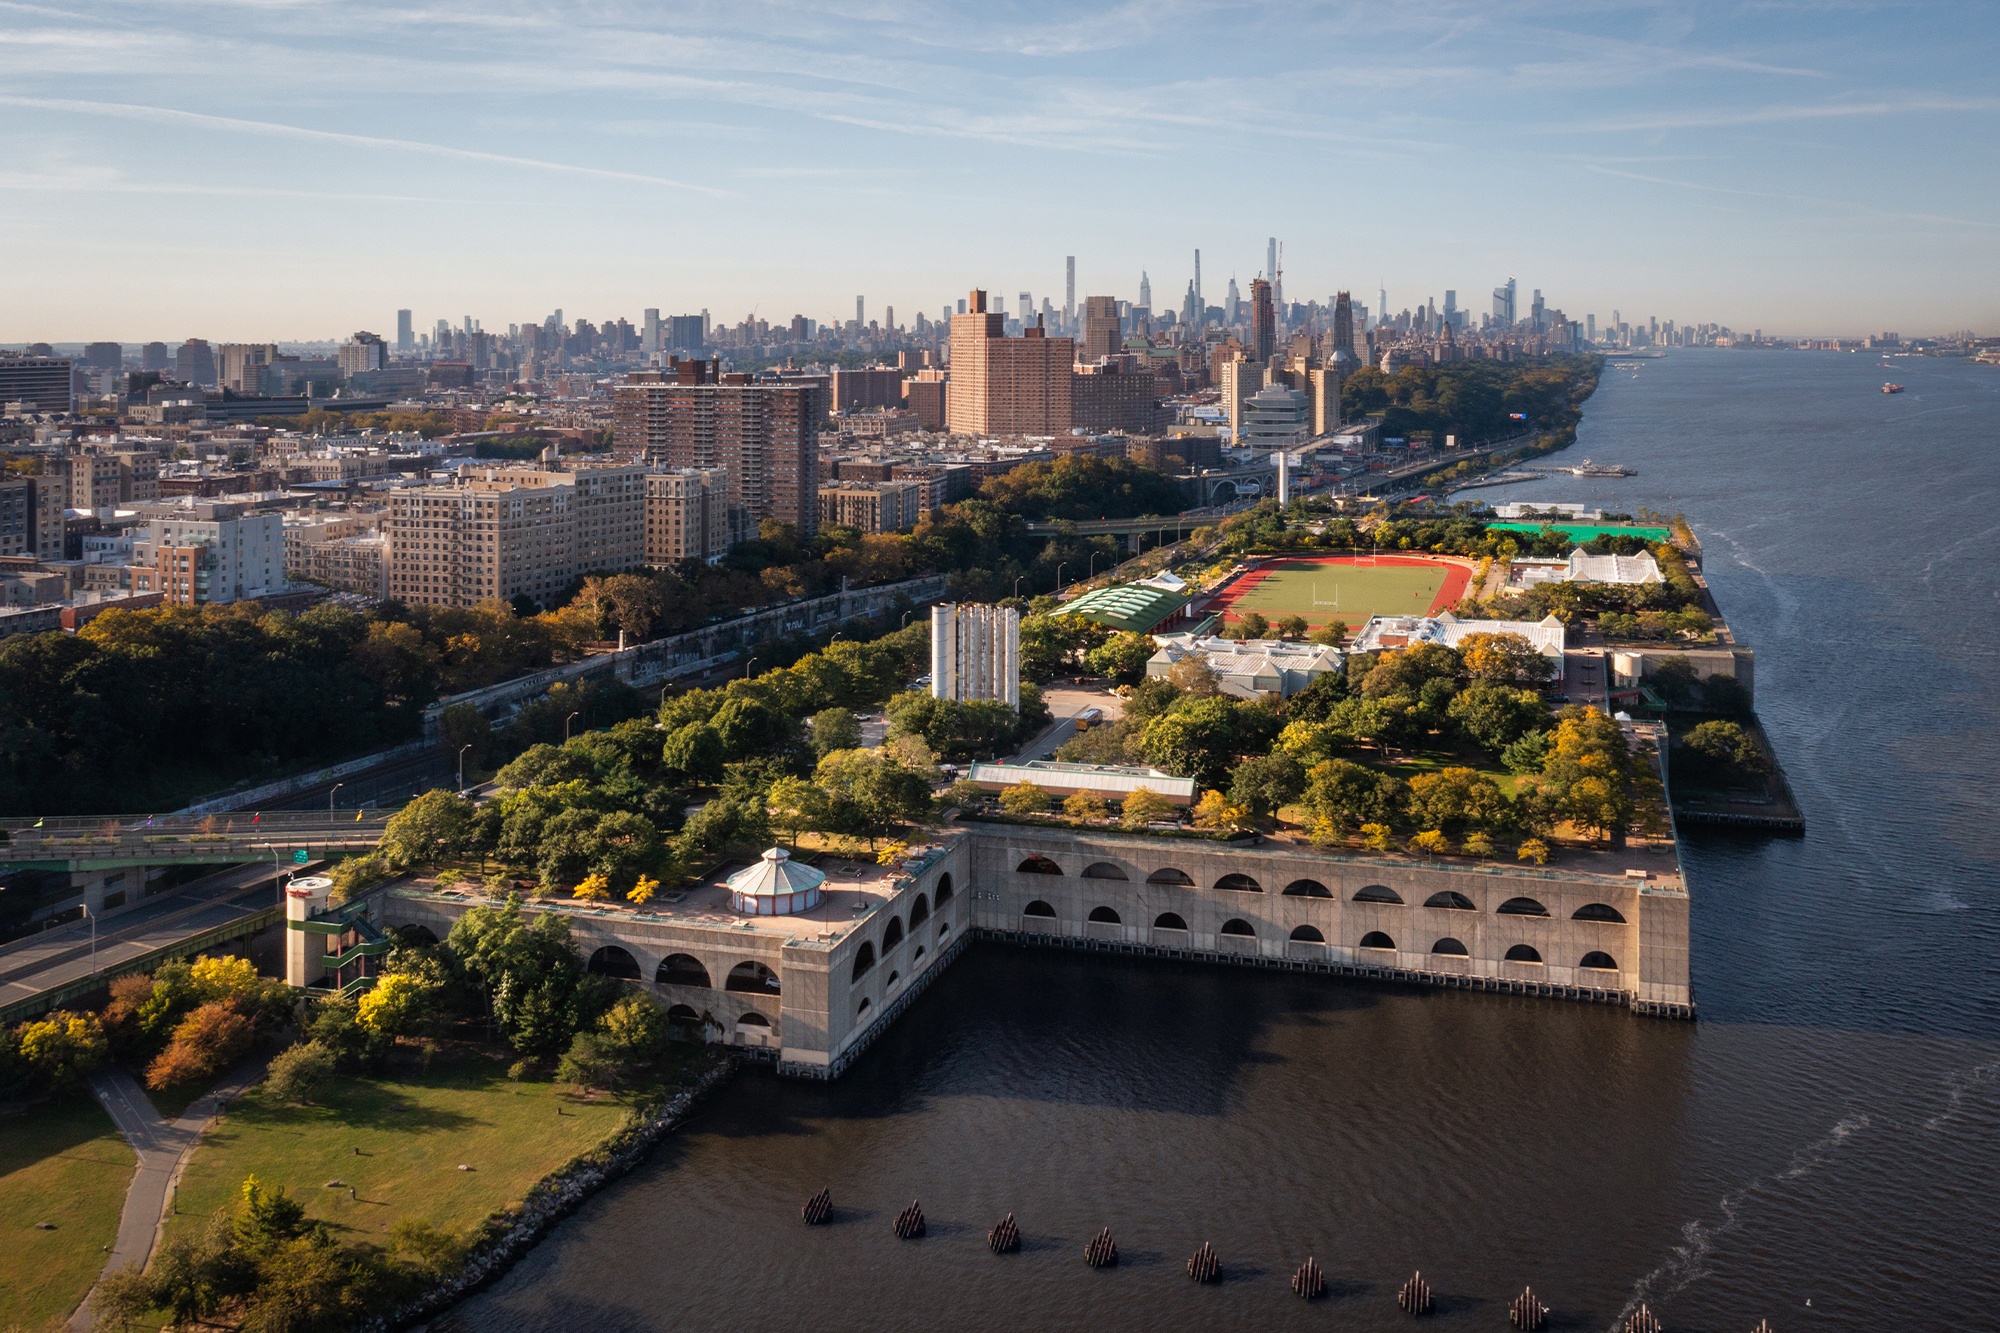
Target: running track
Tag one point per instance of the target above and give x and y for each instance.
(1456, 577)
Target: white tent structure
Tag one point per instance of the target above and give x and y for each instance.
(775, 886)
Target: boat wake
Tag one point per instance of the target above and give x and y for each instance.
(1688, 1261)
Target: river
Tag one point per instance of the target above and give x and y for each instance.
(1822, 1148)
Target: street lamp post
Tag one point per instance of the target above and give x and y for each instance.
(336, 791)
(566, 721)
(906, 621)
(1017, 585)
(92, 916)
(461, 766)
(1093, 564)
(748, 664)
(1059, 569)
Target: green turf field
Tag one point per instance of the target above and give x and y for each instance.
(1348, 593)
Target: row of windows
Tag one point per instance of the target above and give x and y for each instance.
(1380, 894)
(892, 935)
(1374, 939)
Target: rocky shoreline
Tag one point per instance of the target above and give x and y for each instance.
(552, 1199)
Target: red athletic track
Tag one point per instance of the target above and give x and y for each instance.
(1456, 578)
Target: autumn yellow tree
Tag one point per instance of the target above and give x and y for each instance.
(593, 889)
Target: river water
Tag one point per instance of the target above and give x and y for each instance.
(1821, 1149)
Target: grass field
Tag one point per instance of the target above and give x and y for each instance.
(413, 1130)
(64, 1164)
(1337, 588)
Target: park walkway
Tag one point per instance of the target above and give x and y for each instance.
(163, 1147)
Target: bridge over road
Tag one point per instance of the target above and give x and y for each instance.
(101, 851)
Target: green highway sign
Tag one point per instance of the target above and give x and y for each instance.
(301, 856)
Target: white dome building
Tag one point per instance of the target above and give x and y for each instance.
(775, 886)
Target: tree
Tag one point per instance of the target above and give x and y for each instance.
(1375, 837)
(1264, 783)
(1456, 800)
(1477, 844)
(1527, 754)
(1535, 850)
(399, 1004)
(1726, 750)
(58, 1050)
(1143, 806)
(1252, 626)
(693, 754)
(1216, 811)
(299, 1071)
(1431, 842)
(1346, 795)
(1495, 716)
(834, 729)
(461, 725)
(593, 888)
(1316, 702)
(642, 891)
(1504, 659)
(797, 804)
(964, 793)
(1194, 677)
(1121, 657)
(1407, 671)
(204, 1044)
(1197, 738)
(1292, 627)
(435, 827)
(1086, 805)
(1024, 798)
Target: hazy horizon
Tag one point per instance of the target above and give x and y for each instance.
(240, 170)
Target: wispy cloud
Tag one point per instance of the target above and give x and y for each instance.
(1816, 201)
(169, 115)
(1768, 115)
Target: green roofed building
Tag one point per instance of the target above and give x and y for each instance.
(1583, 532)
(1138, 608)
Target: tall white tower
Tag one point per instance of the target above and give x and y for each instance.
(976, 653)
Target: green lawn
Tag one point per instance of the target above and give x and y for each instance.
(64, 1163)
(1323, 592)
(413, 1130)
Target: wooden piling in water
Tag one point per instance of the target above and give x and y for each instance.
(1204, 1266)
(1415, 1297)
(1527, 1312)
(1102, 1251)
(818, 1208)
(1309, 1282)
(1643, 1321)
(910, 1222)
(1763, 1326)
(1005, 1238)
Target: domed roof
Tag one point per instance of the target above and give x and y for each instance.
(775, 885)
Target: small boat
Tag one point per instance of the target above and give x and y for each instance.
(1892, 388)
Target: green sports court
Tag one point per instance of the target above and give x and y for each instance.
(1346, 588)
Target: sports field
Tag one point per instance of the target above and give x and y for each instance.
(1346, 588)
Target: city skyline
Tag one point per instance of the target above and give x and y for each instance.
(250, 172)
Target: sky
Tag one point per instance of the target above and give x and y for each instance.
(290, 169)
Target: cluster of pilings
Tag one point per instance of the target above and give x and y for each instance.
(1204, 1266)
(1102, 1251)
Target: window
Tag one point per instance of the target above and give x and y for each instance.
(893, 936)
(1236, 925)
(1038, 865)
(1449, 948)
(1307, 888)
(864, 959)
(1103, 870)
(1450, 902)
(1308, 935)
(1522, 907)
(1170, 876)
(1596, 959)
(1523, 953)
(753, 977)
(1039, 908)
(1378, 893)
(679, 969)
(1169, 921)
(1598, 912)
(943, 890)
(1104, 914)
(1239, 884)
(1375, 939)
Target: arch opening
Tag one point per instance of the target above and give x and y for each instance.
(1039, 908)
(1038, 865)
(1375, 939)
(1169, 875)
(919, 913)
(1522, 907)
(1104, 870)
(944, 889)
(1169, 921)
(1450, 902)
(1598, 960)
(612, 961)
(1450, 948)
(1524, 953)
(1236, 925)
(680, 969)
(1378, 893)
(1308, 934)
(1104, 914)
(1598, 912)
(893, 936)
(1238, 884)
(753, 977)
(864, 959)
(1307, 888)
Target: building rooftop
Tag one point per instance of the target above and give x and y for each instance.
(1135, 607)
(1389, 632)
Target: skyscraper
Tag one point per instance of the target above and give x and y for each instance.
(1198, 306)
(1263, 321)
(1343, 325)
(649, 338)
(1100, 327)
(860, 320)
(1451, 307)
(1271, 259)
(1027, 311)
(1231, 304)
(1503, 304)
(1069, 294)
(1006, 386)
(406, 337)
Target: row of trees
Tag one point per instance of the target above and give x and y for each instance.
(1475, 400)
